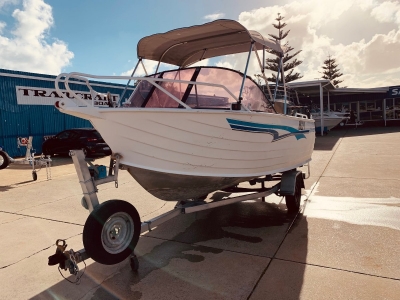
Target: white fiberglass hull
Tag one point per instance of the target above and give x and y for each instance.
(329, 123)
(181, 154)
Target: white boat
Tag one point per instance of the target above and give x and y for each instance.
(330, 120)
(343, 114)
(188, 132)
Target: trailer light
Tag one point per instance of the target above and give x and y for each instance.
(57, 104)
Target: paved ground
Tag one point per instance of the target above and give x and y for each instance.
(344, 244)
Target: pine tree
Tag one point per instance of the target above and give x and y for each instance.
(331, 71)
(273, 63)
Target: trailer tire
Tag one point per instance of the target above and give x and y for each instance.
(34, 175)
(293, 201)
(111, 232)
(5, 161)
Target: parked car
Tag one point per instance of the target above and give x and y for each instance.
(87, 139)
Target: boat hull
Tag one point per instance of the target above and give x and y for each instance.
(329, 123)
(180, 154)
(175, 187)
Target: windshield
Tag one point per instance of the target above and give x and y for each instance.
(200, 96)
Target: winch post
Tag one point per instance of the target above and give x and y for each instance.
(85, 179)
(28, 146)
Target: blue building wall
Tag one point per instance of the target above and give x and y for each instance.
(37, 120)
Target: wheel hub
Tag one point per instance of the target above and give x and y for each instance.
(117, 233)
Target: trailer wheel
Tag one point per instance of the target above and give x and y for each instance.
(293, 202)
(34, 175)
(4, 161)
(111, 232)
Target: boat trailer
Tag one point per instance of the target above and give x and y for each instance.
(29, 159)
(113, 227)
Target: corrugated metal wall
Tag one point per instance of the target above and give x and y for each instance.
(37, 120)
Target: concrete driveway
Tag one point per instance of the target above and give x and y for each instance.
(344, 243)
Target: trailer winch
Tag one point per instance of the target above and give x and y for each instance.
(29, 159)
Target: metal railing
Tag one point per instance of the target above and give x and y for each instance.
(154, 81)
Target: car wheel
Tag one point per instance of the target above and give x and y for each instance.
(47, 152)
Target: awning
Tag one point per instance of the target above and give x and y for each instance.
(311, 88)
(185, 46)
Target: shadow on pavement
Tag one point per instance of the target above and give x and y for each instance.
(247, 229)
(5, 188)
(284, 277)
(328, 141)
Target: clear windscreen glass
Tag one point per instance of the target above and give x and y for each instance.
(200, 96)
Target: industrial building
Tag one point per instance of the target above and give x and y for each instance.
(27, 107)
(373, 106)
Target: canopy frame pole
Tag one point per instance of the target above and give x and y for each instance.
(129, 81)
(165, 52)
(277, 78)
(144, 68)
(321, 105)
(284, 89)
(204, 53)
(329, 104)
(262, 67)
(245, 72)
(263, 64)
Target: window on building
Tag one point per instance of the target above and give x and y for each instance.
(371, 110)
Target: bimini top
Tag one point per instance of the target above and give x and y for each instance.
(185, 46)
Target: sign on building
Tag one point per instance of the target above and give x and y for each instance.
(44, 96)
(394, 92)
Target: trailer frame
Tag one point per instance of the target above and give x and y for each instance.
(288, 184)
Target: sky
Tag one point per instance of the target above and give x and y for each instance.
(99, 37)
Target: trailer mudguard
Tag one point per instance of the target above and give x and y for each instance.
(288, 182)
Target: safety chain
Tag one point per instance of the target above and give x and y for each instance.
(73, 268)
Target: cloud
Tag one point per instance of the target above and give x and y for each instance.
(2, 26)
(7, 2)
(204, 62)
(26, 48)
(362, 35)
(150, 66)
(213, 17)
(387, 11)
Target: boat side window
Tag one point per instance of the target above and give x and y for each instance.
(141, 93)
(146, 95)
(254, 98)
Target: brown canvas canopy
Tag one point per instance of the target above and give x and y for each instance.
(185, 46)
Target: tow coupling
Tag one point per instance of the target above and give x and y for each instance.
(68, 260)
